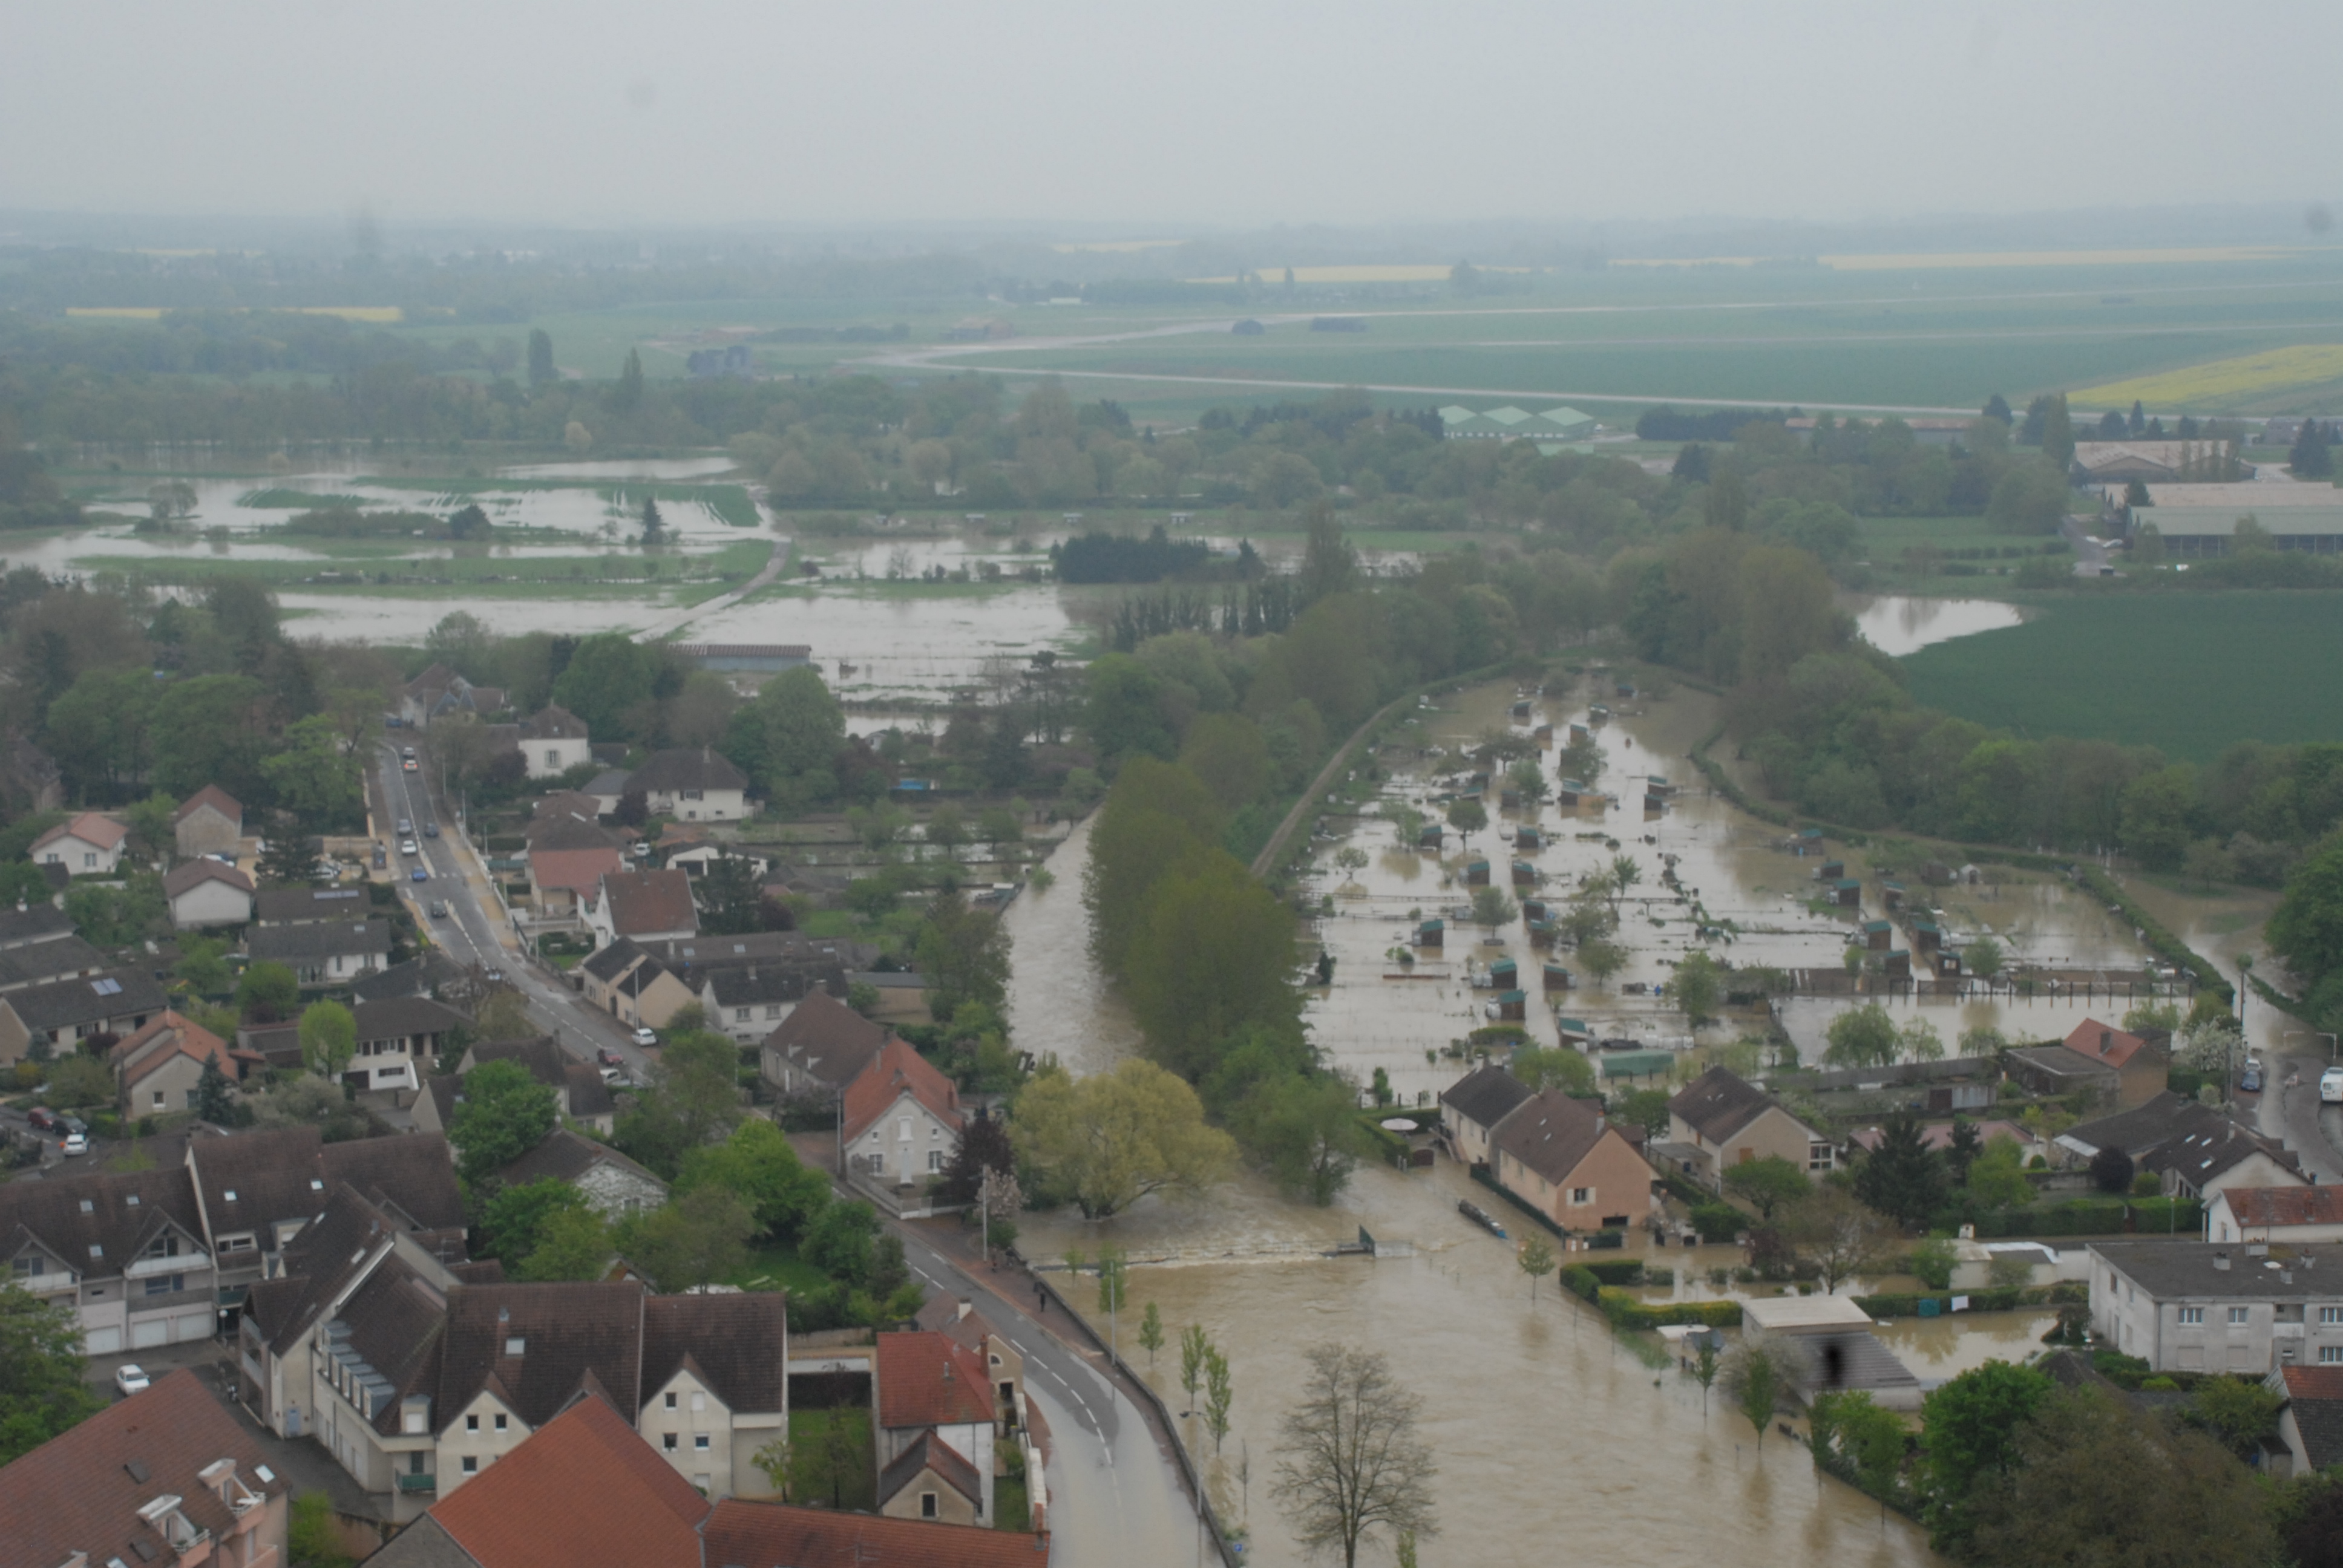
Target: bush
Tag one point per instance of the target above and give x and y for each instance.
(1628, 1313)
(1617, 1271)
(1717, 1222)
(1932, 1262)
(1580, 1281)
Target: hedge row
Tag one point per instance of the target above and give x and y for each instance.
(2170, 948)
(1626, 1312)
(2066, 1292)
(2088, 1217)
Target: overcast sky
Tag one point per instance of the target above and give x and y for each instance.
(1206, 112)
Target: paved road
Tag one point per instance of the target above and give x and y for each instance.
(1115, 1499)
(683, 617)
(2090, 557)
(2295, 1116)
(476, 930)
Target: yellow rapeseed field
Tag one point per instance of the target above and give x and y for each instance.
(379, 315)
(2225, 380)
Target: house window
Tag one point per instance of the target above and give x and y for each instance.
(935, 1160)
(471, 1464)
(699, 1400)
(553, 759)
(2192, 1317)
(89, 860)
(667, 1441)
(772, 1010)
(2330, 1355)
(472, 1423)
(671, 1400)
(2329, 1316)
(699, 1443)
(158, 1099)
(740, 1014)
(2236, 1316)
(501, 1423)
(927, 1505)
(1582, 1194)
(878, 1164)
(1818, 1156)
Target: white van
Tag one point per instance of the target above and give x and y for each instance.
(2330, 1086)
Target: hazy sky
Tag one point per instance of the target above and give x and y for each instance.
(1206, 112)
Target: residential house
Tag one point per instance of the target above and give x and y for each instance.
(2055, 1071)
(65, 1011)
(2197, 1306)
(819, 1047)
(1719, 1120)
(624, 980)
(584, 1488)
(257, 1191)
(28, 925)
(306, 906)
(45, 963)
(901, 1120)
(207, 892)
(166, 1475)
(715, 1381)
(614, 1186)
(424, 975)
(399, 1041)
(569, 856)
(208, 822)
(128, 1250)
(693, 784)
(2310, 1421)
(1471, 1107)
(957, 1318)
(2141, 1068)
(928, 1480)
(580, 1092)
(157, 1068)
(2196, 1148)
(931, 1387)
(552, 742)
(749, 1002)
(439, 691)
(608, 788)
(2292, 1215)
(644, 905)
(89, 845)
(1568, 1160)
(323, 952)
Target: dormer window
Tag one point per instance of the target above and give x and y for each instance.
(229, 1195)
(87, 1207)
(515, 1344)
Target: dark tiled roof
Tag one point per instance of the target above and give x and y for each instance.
(64, 1004)
(33, 923)
(2060, 1062)
(276, 1174)
(2206, 1144)
(551, 723)
(2173, 1269)
(750, 985)
(396, 1324)
(195, 873)
(737, 1345)
(775, 1535)
(77, 1496)
(585, 1489)
(2317, 1394)
(2135, 1131)
(929, 1452)
(650, 901)
(397, 1017)
(417, 977)
(566, 1330)
(926, 1379)
(412, 1174)
(826, 1038)
(611, 962)
(39, 964)
(1719, 1103)
(274, 906)
(566, 1156)
(539, 1056)
(1485, 1095)
(319, 939)
(126, 1210)
(688, 767)
(1551, 1133)
(319, 1263)
(554, 835)
(588, 1095)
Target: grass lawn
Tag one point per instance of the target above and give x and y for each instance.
(814, 1481)
(779, 1267)
(2193, 673)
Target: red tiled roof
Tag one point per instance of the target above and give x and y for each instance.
(2104, 1042)
(90, 828)
(931, 1453)
(926, 1379)
(584, 1488)
(211, 795)
(77, 1493)
(895, 1070)
(579, 870)
(776, 1535)
(649, 902)
(2285, 1205)
(2313, 1382)
(169, 1035)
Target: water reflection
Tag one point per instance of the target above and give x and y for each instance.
(1898, 624)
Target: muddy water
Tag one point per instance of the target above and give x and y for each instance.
(1546, 1427)
(1059, 1004)
(901, 643)
(1897, 625)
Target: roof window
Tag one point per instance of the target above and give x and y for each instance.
(87, 1207)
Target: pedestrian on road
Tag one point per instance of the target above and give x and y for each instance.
(1040, 1302)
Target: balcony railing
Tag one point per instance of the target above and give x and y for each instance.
(419, 1484)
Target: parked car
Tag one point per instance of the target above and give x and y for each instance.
(76, 1143)
(131, 1379)
(69, 1123)
(430, 830)
(438, 909)
(647, 1037)
(2250, 1081)
(607, 1057)
(420, 874)
(42, 1119)
(2330, 1086)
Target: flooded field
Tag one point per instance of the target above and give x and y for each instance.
(1896, 624)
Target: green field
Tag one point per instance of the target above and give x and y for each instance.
(2191, 673)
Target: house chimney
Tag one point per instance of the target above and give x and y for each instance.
(2221, 1260)
(2106, 1040)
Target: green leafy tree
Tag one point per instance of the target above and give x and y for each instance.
(1932, 1262)
(2306, 928)
(203, 964)
(963, 956)
(502, 1114)
(730, 902)
(1305, 1128)
(2057, 431)
(315, 775)
(1554, 1067)
(1215, 958)
(608, 682)
(1769, 1183)
(77, 1081)
(540, 358)
(1493, 906)
(1536, 1258)
(1837, 1235)
(1704, 1368)
(627, 397)
(574, 1244)
(699, 1238)
(289, 859)
(758, 1164)
(1983, 958)
(215, 1094)
(1902, 1178)
(788, 738)
(1220, 1393)
(1699, 983)
(329, 1038)
(1108, 1139)
(312, 1537)
(694, 1099)
(1861, 1037)
(513, 1223)
(1151, 1332)
(1997, 1179)
(42, 1367)
(1194, 1349)
(1756, 1376)
(1647, 1108)
(1601, 959)
(654, 526)
(269, 993)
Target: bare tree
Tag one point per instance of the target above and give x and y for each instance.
(1832, 1230)
(1348, 1460)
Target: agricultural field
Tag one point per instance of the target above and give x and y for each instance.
(2192, 673)
(2306, 375)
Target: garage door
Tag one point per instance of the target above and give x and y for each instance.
(103, 1342)
(191, 1326)
(150, 1332)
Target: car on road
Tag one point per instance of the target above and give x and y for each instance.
(2330, 1086)
(407, 847)
(406, 828)
(438, 909)
(407, 752)
(41, 1119)
(420, 874)
(606, 1057)
(647, 1037)
(409, 765)
(430, 830)
(131, 1378)
(76, 1143)
(2250, 1081)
